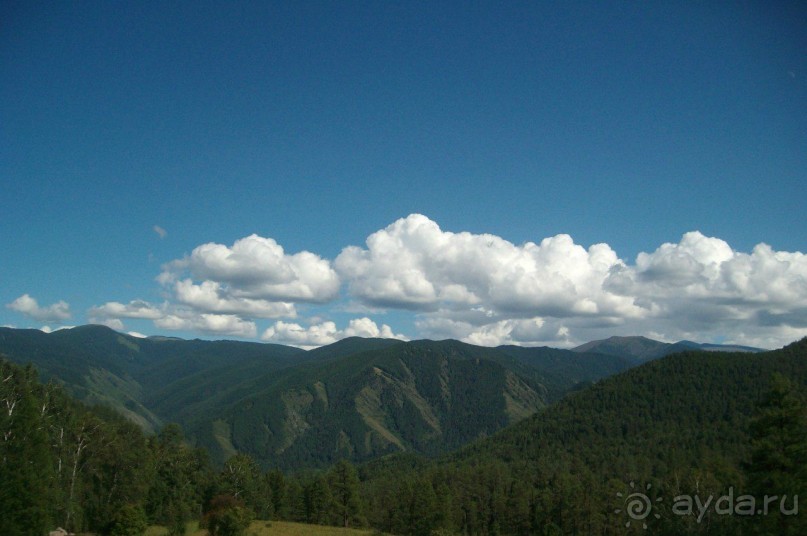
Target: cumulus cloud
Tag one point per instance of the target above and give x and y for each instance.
(211, 324)
(703, 278)
(483, 289)
(221, 289)
(133, 309)
(210, 296)
(325, 332)
(479, 288)
(257, 268)
(56, 312)
(414, 264)
(535, 331)
(172, 317)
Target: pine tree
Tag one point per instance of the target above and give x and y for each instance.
(316, 500)
(779, 458)
(344, 484)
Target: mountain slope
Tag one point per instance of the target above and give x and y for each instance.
(359, 398)
(678, 426)
(643, 349)
(423, 396)
(691, 400)
(562, 370)
(98, 365)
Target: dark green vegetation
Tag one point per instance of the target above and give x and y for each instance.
(98, 365)
(356, 399)
(729, 426)
(698, 423)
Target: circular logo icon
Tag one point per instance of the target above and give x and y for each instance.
(637, 505)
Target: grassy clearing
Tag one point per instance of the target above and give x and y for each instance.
(274, 528)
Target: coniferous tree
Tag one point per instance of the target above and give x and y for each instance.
(778, 465)
(343, 481)
(25, 459)
(316, 500)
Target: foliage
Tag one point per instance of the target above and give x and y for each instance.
(227, 516)
(343, 482)
(778, 464)
(26, 464)
(64, 464)
(683, 424)
(129, 520)
(692, 424)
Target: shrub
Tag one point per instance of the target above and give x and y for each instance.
(130, 520)
(227, 516)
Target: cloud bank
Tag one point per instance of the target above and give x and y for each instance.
(479, 288)
(486, 290)
(28, 306)
(325, 332)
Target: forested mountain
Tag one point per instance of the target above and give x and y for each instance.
(64, 464)
(644, 349)
(693, 424)
(98, 365)
(726, 430)
(357, 398)
(424, 396)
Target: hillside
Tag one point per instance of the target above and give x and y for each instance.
(695, 424)
(643, 349)
(694, 401)
(682, 424)
(100, 366)
(424, 396)
(357, 398)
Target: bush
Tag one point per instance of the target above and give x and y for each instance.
(227, 516)
(129, 521)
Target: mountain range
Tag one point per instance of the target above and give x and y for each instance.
(357, 398)
(626, 456)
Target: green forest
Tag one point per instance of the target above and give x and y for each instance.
(727, 429)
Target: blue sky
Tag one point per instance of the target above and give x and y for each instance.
(528, 173)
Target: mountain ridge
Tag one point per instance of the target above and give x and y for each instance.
(359, 397)
(643, 348)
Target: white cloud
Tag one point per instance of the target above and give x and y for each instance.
(173, 317)
(136, 334)
(325, 332)
(257, 268)
(219, 289)
(211, 324)
(296, 335)
(414, 264)
(28, 306)
(133, 309)
(703, 279)
(519, 331)
(364, 327)
(48, 329)
(479, 288)
(209, 296)
(162, 233)
(483, 289)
